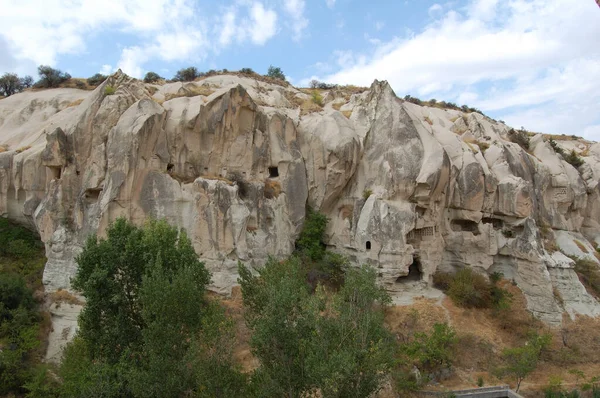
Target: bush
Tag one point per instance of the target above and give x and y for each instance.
(367, 193)
(50, 77)
(310, 242)
(275, 73)
(519, 137)
(317, 98)
(27, 81)
(521, 361)
(247, 71)
(186, 74)
(589, 273)
(433, 351)
(10, 84)
(109, 90)
(97, 79)
(573, 159)
(152, 77)
(333, 342)
(469, 289)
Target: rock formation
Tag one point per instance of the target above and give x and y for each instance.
(235, 161)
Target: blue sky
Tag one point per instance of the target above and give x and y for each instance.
(532, 63)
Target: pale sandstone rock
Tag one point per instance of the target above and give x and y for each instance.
(408, 189)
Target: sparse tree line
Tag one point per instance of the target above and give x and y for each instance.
(11, 83)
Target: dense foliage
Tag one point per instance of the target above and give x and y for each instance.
(97, 79)
(152, 77)
(275, 72)
(11, 83)
(147, 328)
(50, 77)
(21, 264)
(186, 74)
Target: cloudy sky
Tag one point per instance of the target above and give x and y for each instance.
(531, 63)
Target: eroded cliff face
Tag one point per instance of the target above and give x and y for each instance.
(235, 161)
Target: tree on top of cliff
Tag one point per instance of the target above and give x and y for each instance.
(275, 72)
(50, 77)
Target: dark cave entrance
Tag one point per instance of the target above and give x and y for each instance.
(368, 246)
(414, 272)
(273, 172)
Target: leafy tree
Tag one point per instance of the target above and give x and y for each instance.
(247, 71)
(334, 342)
(433, 351)
(147, 328)
(50, 77)
(152, 77)
(275, 72)
(186, 74)
(18, 332)
(110, 277)
(521, 361)
(310, 241)
(10, 84)
(97, 79)
(26, 81)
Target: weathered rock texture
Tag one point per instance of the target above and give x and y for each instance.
(234, 161)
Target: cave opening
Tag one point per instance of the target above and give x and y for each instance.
(55, 172)
(368, 245)
(414, 272)
(273, 172)
(170, 168)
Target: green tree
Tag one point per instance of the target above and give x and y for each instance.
(331, 341)
(275, 72)
(10, 84)
(147, 328)
(186, 74)
(151, 77)
(433, 351)
(310, 241)
(521, 361)
(97, 79)
(50, 77)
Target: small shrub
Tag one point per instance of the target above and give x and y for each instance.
(186, 74)
(519, 137)
(247, 71)
(109, 90)
(480, 382)
(275, 72)
(97, 79)
(433, 351)
(589, 274)
(367, 193)
(469, 289)
(152, 77)
(555, 146)
(574, 159)
(442, 280)
(75, 103)
(317, 98)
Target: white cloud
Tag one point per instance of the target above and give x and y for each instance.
(41, 31)
(539, 55)
(106, 69)
(330, 3)
(264, 24)
(295, 10)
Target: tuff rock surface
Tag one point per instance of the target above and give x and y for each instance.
(235, 161)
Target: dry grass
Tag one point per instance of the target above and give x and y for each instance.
(62, 296)
(559, 137)
(347, 114)
(581, 246)
(255, 76)
(75, 103)
(454, 118)
(152, 90)
(548, 239)
(76, 82)
(309, 106)
(272, 189)
(428, 120)
(191, 91)
(23, 148)
(483, 146)
(3, 148)
(337, 105)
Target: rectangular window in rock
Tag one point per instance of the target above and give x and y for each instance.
(273, 172)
